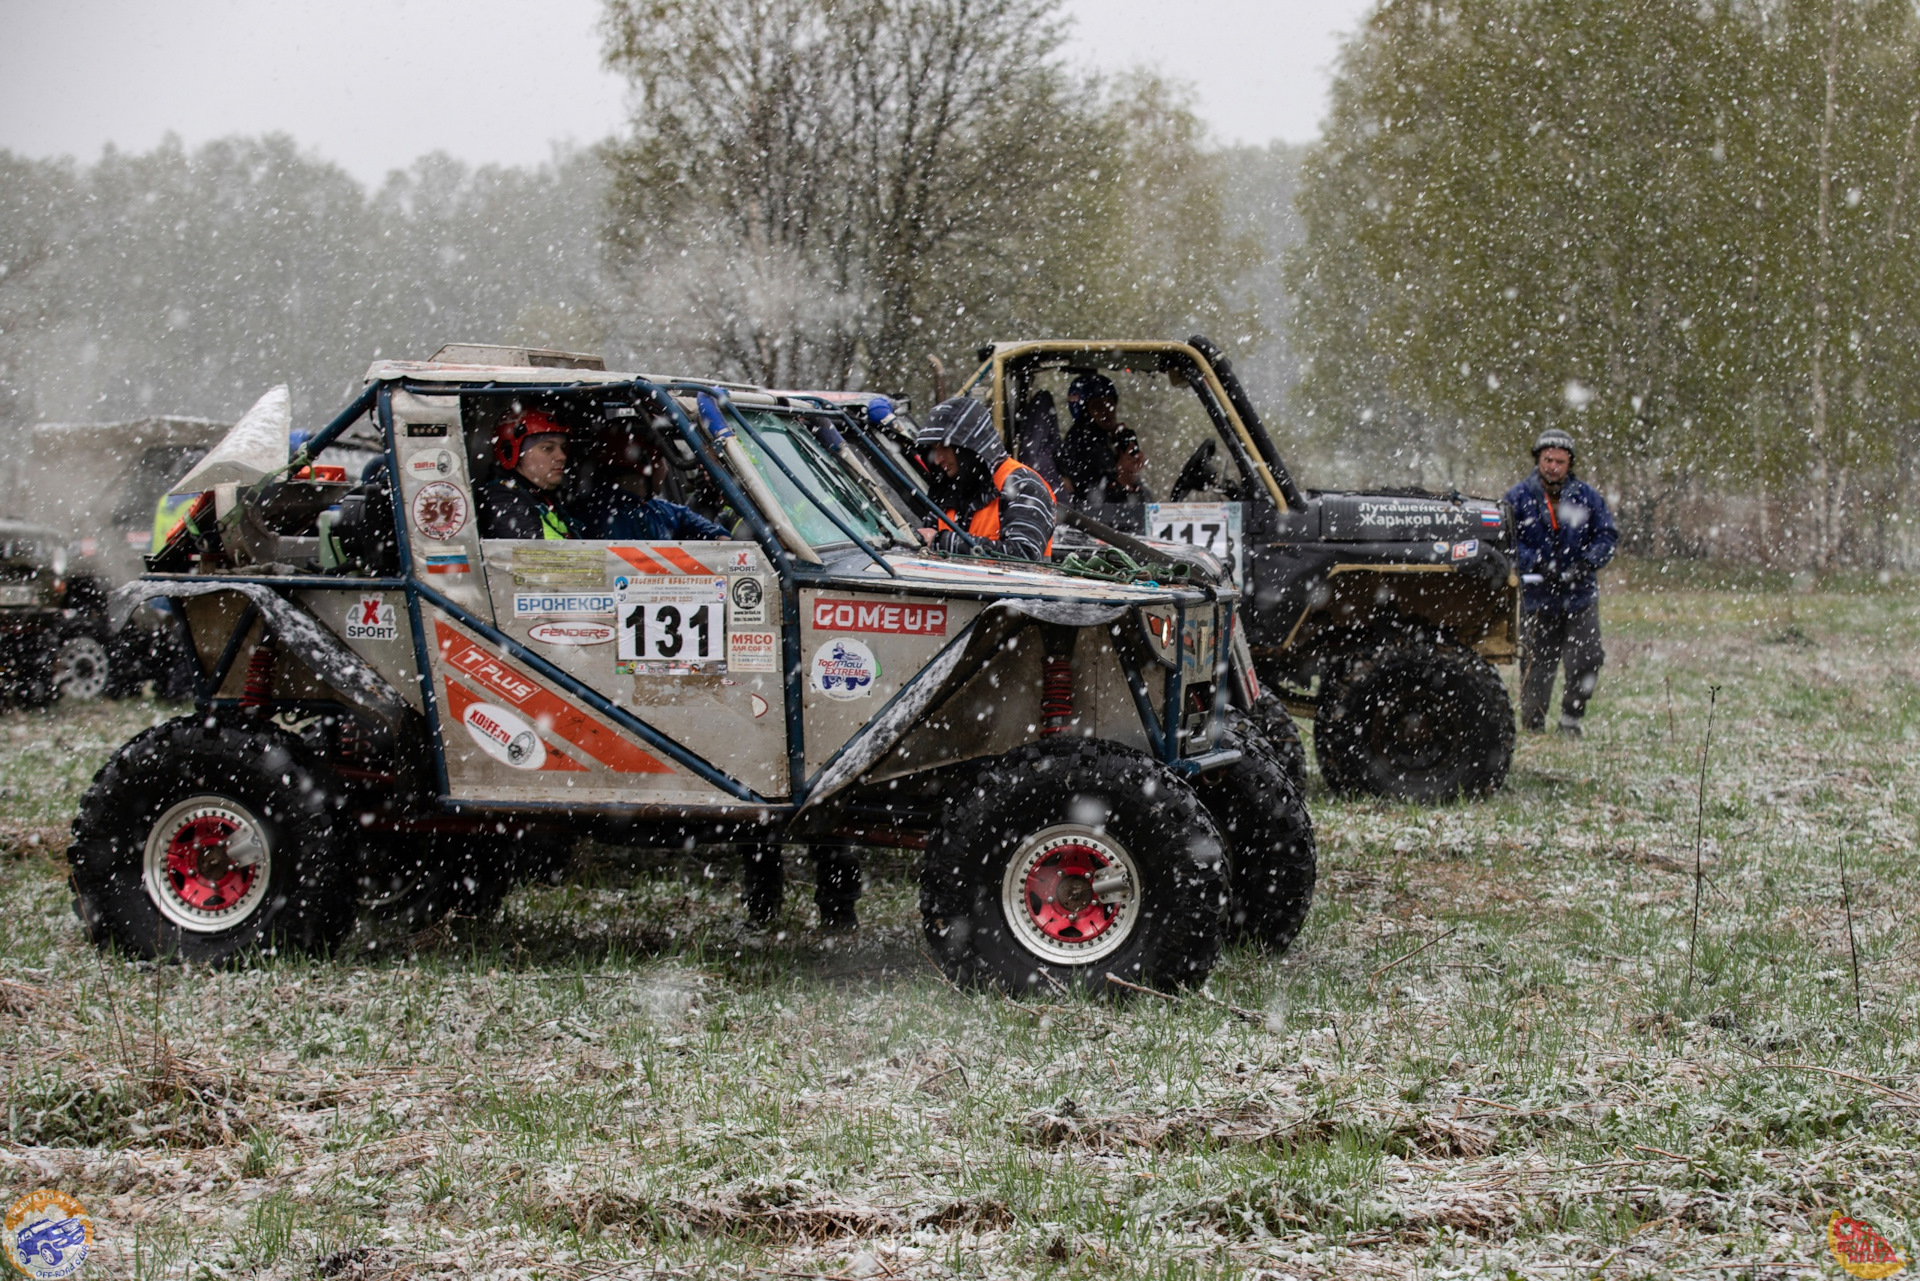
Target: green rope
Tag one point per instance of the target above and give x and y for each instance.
(1111, 565)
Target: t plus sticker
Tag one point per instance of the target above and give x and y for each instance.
(844, 669)
(440, 510)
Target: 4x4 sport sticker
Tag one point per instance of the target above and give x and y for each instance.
(554, 715)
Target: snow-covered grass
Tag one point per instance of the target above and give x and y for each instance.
(1486, 1056)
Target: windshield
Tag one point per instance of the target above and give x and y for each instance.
(828, 479)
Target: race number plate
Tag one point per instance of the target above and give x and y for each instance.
(670, 626)
(1213, 526)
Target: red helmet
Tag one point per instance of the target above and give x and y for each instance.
(510, 436)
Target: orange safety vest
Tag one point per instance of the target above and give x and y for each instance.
(986, 522)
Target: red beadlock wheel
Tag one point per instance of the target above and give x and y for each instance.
(1071, 895)
(207, 864)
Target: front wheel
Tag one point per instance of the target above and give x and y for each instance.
(1417, 723)
(1062, 862)
(207, 845)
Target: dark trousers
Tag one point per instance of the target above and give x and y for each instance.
(836, 883)
(1549, 638)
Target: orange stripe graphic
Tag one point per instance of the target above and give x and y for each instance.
(554, 715)
(641, 561)
(679, 557)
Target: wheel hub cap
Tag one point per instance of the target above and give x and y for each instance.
(207, 865)
(1071, 896)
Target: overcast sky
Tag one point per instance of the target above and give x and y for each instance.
(372, 84)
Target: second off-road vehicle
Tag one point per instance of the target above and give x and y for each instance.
(399, 715)
(1377, 614)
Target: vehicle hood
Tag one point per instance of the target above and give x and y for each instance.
(964, 576)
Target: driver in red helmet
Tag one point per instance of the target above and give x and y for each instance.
(523, 499)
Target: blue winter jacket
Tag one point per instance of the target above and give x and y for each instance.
(1565, 545)
(612, 512)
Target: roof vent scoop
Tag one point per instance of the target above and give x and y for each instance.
(467, 353)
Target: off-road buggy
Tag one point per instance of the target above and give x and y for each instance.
(398, 716)
(52, 620)
(94, 488)
(1376, 614)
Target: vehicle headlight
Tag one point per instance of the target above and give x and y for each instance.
(59, 562)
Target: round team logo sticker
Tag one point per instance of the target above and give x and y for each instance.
(1860, 1250)
(48, 1234)
(440, 510)
(843, 669)
(504, 736)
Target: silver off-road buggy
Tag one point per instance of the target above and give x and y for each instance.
(401, 717)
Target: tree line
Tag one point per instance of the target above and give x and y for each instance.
(1683, 231)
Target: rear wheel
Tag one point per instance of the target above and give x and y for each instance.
(1061, 862)
(81, 670)
(1270, 846)
(210, 844)
(1415, 722)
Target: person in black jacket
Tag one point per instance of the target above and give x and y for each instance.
(523, 501)
(1088, 457)
(1004, 505)
(1565, 534)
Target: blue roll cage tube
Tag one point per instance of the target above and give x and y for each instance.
(379, 399)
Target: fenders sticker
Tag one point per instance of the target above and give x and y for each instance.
(572, 633)
(844, 669)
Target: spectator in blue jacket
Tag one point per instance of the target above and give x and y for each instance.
(1565, 534)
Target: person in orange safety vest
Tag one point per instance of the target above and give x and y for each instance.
(1006, 506)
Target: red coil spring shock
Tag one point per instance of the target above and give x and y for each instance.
(258, 691)
(1056, 695)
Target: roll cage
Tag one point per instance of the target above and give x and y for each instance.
(1014, 602)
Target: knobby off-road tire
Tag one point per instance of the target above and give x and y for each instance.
(1282, 739)
(1415, 722)
(209, 845)
(1065, 860)
(1270, 846)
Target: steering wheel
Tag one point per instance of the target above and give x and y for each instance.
(1198, 472)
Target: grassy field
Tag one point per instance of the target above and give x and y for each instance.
(1488, 1054)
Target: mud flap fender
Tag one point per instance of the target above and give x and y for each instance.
(293, 628)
